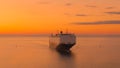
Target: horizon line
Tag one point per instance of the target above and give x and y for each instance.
(37, 35)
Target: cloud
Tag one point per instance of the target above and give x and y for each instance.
(77, 15)
(68, 4)
(81, 15)
(117, 13)
(110, 8)
(97, 22)
(92, 6)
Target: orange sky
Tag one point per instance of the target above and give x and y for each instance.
(48, 16)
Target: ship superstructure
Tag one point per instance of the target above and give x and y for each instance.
(62, 41)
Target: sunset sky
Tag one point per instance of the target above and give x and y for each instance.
(49, 16)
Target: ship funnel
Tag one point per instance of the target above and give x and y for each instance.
(61, 32)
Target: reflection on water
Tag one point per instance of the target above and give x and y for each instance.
(34, 52)
(66, 59)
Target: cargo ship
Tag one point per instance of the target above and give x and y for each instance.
(62, 41)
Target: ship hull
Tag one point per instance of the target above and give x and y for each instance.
(62, 42)
(64, 47)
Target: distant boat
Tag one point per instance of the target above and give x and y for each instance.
(62, 41)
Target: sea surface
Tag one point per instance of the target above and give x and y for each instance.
(34, 52)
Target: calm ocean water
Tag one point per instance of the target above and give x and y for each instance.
(34, 52)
